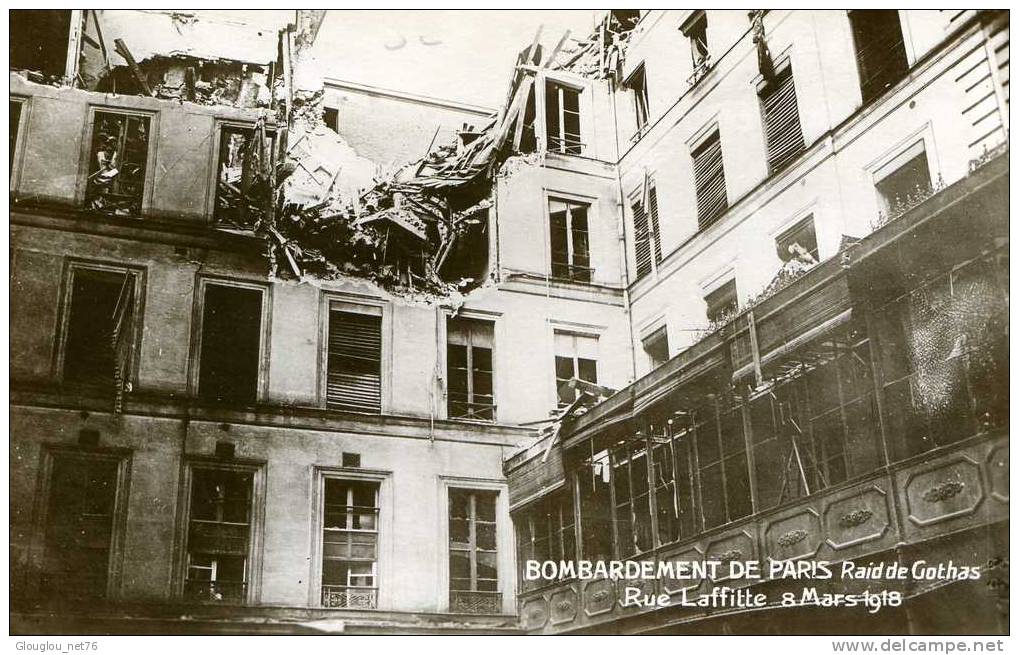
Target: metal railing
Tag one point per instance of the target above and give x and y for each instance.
(344, 597)
(475, 602)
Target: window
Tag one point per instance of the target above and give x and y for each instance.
(903, 180)
(219, 535)
(672, 481)
(350, 536)
(80, 511)
(562, 118)
(571, 259)
(576, 356)
(469, 369)
(15, 119)
(637, 84)
(781, 119)
(721, 303)
(632, 498)
(696, 30)
(231, 337)
(709, 179)
(547, 531)
(354, 365)
(647, 240)
(39, 41)
(656, 347)
(595, 494)
(798, 242)
(243, 181)
(117, 163)
(473, 564)
(99, 345)
(880, 50)
(331, 116)
(721, 464)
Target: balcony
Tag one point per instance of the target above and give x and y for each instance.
(344, 597)
(475, 602)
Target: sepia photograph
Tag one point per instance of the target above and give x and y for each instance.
(509, 323)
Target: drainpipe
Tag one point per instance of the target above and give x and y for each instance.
(621, 230)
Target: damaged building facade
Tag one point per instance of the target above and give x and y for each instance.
(706, 286)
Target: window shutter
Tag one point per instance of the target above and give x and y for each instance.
(709, 178)
(355, 357)
(120, 340)
(656, 234)
(641, 240)
(782, 121)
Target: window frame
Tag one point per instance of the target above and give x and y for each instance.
(355, 303)
(71, 266)
(573, 333)
(505, 537)
(564, 146)
(721, 284)
(478, 317)
(570, 200)
(18, 156)
(202, 281)
(256, 527)
(868, 95)
(657, 331)
(641, 100)
(44, 487)
(794, 226)
(383, 542)
(876, 169)
(215, 148)
(693, 22)
(85, 162)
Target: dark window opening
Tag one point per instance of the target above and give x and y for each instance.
(231, 344)
(350, 535)
(781, 120)
(569, 240)
(39, 40)
(547, 531)
(637, 84)
(469, 369)
(722, 464)
(576, 357)
(722, 303)
(904, 181)
(117, 163)
(593, 482)
(473, 553)
(562, 119)
(647, 238)
(15, 119)
(672, 477)
(880, 50)
(798, 242)
(243, 178)
(709, 180)
(656, 347)
(630, 470)
(354, 367)
(79, 526)
(696, 30)
(331, 116)
(99, 328)
(219, 533)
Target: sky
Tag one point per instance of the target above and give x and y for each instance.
(451, 54)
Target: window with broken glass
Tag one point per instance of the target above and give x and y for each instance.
(469, 369)
(569, 240)
(632, 497)
(672, 478)
(576, 357)
(562, 118)
(243, 174)
(816, 425)
(219, 535)
(350, 535)
(944, 350)
(99, 342)
(721, 462)
(79, 525)
(594, 491)
(721, 304)
(637, 84)
(696, 31)
(118, 161)
(547, 531)
(904, 181)
(473, 553)
(354, 358)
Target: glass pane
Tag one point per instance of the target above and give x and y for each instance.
(459, 564)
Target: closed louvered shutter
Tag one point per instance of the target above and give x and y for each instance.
(656, 234)
(355, 357)
(709, 178)
(782, 120)
(641, 240)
